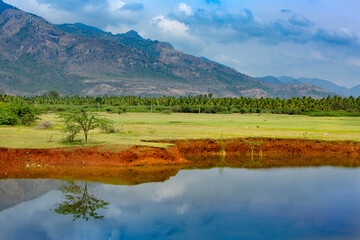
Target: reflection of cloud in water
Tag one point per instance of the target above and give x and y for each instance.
(169, 191)
(117, 211)
(182, 209)
(199, 204)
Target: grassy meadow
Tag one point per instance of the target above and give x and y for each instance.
(131, 128)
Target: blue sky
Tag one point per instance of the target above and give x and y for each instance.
(298, 38)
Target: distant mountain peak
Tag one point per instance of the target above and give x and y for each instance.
(328, 85)
(5, 6)
(87, 27)
(133, 34)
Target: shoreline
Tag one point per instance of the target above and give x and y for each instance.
(158, 164)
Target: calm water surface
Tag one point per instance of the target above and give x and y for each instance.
(289, 203)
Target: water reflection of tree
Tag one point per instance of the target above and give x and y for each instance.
(222, 163)
(79, 203)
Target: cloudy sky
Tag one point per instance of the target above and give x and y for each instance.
(298, 38)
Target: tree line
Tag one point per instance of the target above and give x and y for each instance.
(196, 103)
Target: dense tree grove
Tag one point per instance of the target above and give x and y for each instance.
(202, 103)
(17, 113)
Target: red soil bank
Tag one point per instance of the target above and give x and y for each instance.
(91, 156)
(268, 146)
(241, 152)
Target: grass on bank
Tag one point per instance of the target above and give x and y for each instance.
(134, 127)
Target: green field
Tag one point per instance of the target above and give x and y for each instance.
(131, 128)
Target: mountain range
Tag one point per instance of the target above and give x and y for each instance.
(37, 56)
(330, 86)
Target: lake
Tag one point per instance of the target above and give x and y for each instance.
(218, 203)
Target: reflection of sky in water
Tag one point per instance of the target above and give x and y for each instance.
(200, 204)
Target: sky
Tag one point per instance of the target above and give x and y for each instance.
(297, 38)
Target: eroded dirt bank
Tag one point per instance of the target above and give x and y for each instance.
(268, 146)
(137, 164)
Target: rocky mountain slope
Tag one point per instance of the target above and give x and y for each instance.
(37, 56)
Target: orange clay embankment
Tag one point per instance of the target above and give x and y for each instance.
(268, 146)
(92, 156)
(115, 165)
(157, 164)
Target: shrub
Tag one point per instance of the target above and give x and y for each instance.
(71, 129)
(185, 109)
(45, 125)
(28, 119)
(18, 114)
(108, 109)
(168, 112)
(122, 110)
(8, 118)
(213, 109)
(60, 109)
(106, 126)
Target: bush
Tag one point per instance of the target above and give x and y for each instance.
(8, 118)
(71, 129)
(160, 108)
(168, 112)
(28, 119)
(122, 110)
(176, 109)
(108, 109)
(106, 126)
(185, 109)
(60, 109)
(45, 125)
(213, 109)
(18, 114)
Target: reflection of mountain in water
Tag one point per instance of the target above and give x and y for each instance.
(15, 191)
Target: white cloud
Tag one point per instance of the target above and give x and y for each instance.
(183, 7)
(118, 29)
(116, 14)
(90, 8)
(317, 55)
(226, 60)
(354, 62)
(49, 12)
(115, 5)
(173, 27)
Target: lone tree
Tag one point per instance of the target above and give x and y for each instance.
(53, 94)
(85, 121)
